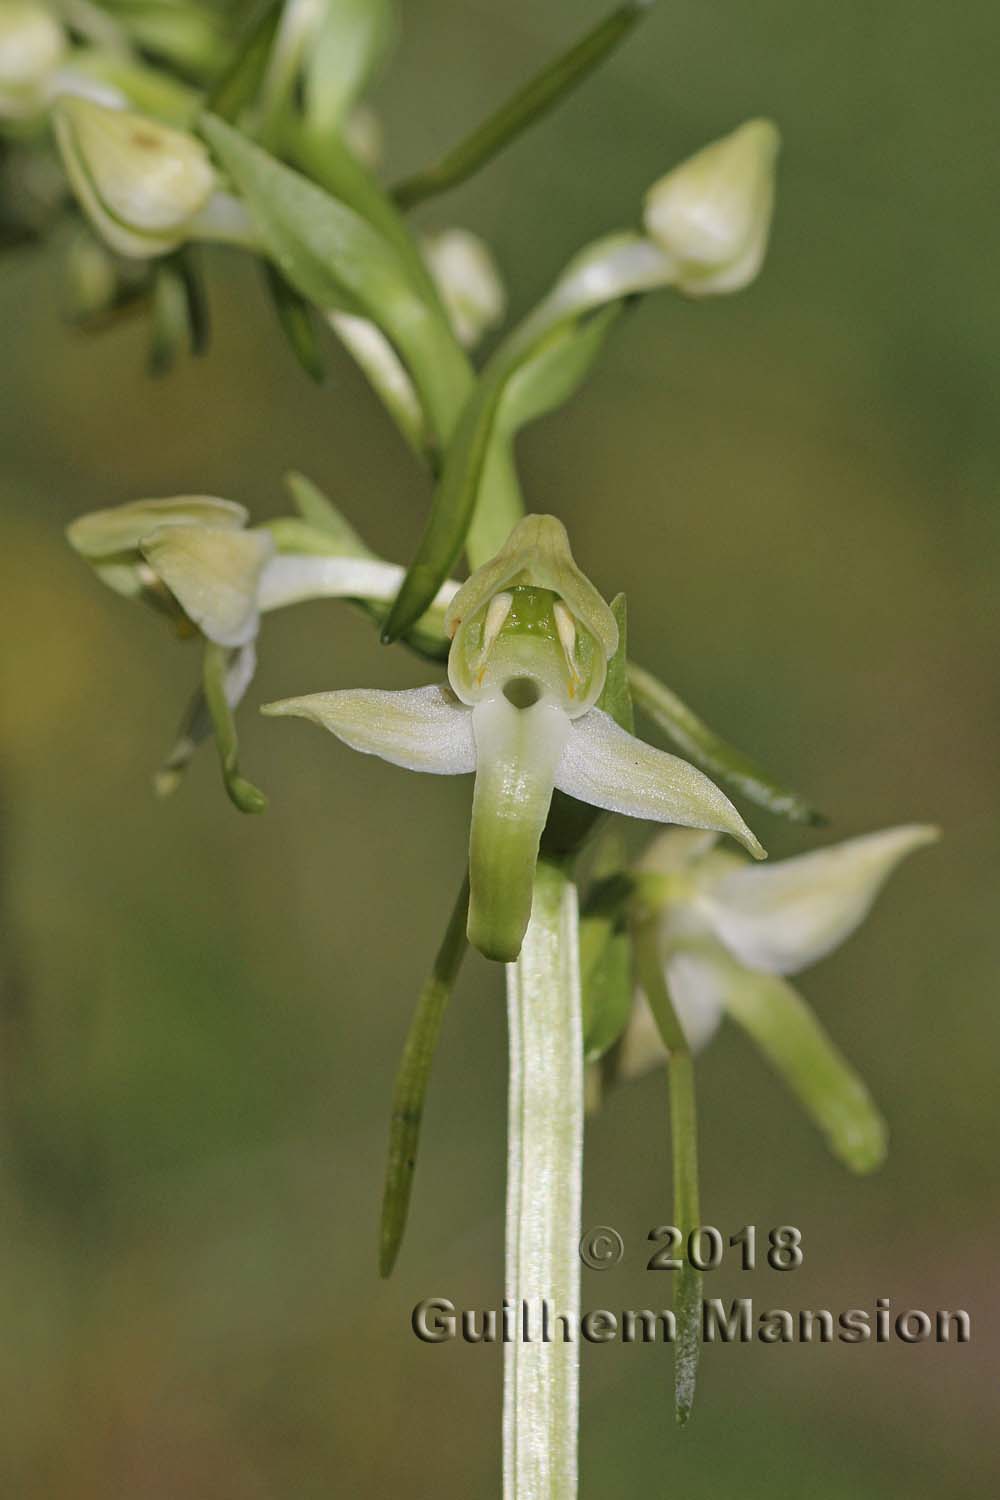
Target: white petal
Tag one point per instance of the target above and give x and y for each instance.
(607, 767)
(697, 1000)
(783, 918)
(423, 729)
(214, 575)
(292, 577)
(697, 996)
(104, 533)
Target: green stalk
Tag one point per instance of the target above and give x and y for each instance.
(544, 1167)
(684, 1150)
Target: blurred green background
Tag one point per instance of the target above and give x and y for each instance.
(202, 1013)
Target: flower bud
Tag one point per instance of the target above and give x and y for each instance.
(468, 280)
(31, 48)
(140, 182)
(712, 214)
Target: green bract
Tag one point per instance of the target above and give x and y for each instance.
(531, 642)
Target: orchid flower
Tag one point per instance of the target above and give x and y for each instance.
(194, 559)
(531, 641)
(730, 932)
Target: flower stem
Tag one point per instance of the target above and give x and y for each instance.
(544, 1161)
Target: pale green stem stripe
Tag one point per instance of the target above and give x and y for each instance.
(544, 1167)
(684, 1150)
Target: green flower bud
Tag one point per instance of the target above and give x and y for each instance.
(140, 182)
(712, 214)
(32, 44)
(467, 278)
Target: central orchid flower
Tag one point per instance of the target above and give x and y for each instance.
(531, 641)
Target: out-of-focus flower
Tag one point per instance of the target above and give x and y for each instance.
(531, 640)
(468, 280)
(730, 931)
(32, 46)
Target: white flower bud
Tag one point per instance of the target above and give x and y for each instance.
(468, 280)
(31, 48)
(141, 182)
(712, 214)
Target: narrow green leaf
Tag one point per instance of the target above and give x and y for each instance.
(326, 250)
(451, 509)
(411, 1083)
(542, 383)
(529, 104)
(684, 1146)
(180, 311)
(199, 326)
(349, 44)
(537, 387)
(458, 490)
(329, 162)
(241, 80)
(171, 329)
(296, 321)
(242, 793)
(334, 257)
(606, 982)
(832, 1094)
(711, 753)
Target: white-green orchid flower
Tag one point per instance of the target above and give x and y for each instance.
(729, 932)
(531, 641)
(194, 559)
